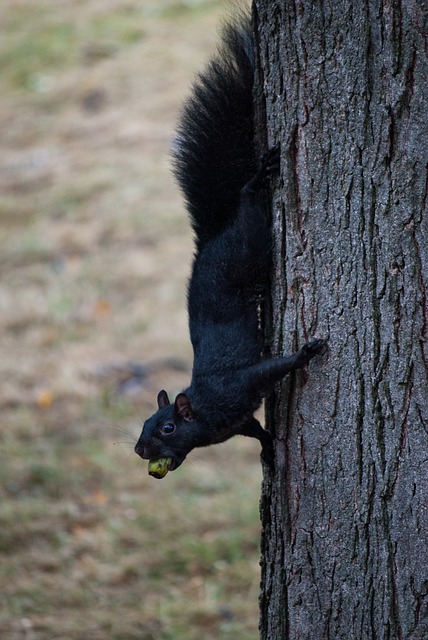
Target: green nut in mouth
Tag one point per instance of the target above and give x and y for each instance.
(159, 467)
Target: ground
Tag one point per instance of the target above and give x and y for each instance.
(95, 253)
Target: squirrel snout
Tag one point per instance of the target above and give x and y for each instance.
(139, 450)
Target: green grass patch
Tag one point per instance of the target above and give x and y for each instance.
(39, 40)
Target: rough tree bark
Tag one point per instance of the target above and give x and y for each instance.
(345, 512)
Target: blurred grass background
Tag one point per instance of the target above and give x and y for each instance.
(94, 255)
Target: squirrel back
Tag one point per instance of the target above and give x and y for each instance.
(213, 152)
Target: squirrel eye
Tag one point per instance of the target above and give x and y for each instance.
(167, 429)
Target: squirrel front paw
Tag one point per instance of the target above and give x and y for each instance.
(314, 347)
(267, 453)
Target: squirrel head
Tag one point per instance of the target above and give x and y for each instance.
(172, 432)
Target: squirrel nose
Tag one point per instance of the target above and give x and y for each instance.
(139, 449)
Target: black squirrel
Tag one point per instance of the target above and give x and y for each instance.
(216, 166)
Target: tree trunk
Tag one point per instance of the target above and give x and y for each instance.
(345, 512)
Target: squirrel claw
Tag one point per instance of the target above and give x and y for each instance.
(270, 160)
(269, 165)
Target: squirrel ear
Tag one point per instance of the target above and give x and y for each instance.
(163, 400)
(183, 407)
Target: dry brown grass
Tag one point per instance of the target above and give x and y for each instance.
(94, 256)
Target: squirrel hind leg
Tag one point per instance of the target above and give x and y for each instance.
(269, 166)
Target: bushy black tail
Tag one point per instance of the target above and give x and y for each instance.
(213, 153)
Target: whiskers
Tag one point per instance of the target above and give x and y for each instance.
(126, 437)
